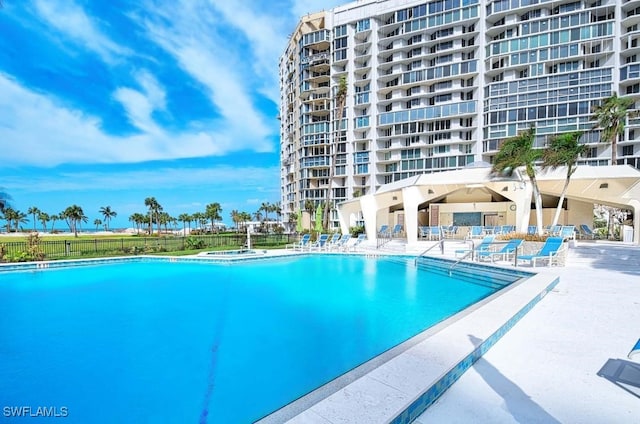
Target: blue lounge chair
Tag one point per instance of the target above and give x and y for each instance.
(449, 231)
(532, 230)
(423, 232)
(361, 238)
(554, 230)
(301, 244)
(397, 231)
(333, 240)
(587, 232)
(509, 248)
(484, 246)
(342, 243)
(435, 233)
(320, 243)
(549, 252)
(475, 232)
(384, 231)
(568, 232)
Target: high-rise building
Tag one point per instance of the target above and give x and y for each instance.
(434, 86)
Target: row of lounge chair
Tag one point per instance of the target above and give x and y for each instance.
(490, 250)
(386, 232)
(336, 242)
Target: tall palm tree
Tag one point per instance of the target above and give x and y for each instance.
(266, 207)
(33, 211)
(54, 218)
(74, 215)
(563, 150)
(244, 218)
(19, 218)
(8, 213)
(212, 211)
(97, 222)
(154, 210)
(519, 151)
(611, 115)
(310, 208)
(44, 218)
(340, 102)
(107, 213)
(184, 218)
(235, 218)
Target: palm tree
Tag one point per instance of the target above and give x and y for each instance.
(310, 208)
(97, 223)
(54, 218)
(518, 151)
(19, 218)
(74, 215)
(563, 150)
(257, 215)
(235, 218)
(340, 101)
(212, 212)
(154, 210)
(611, 115)
(33, 210)
(8, 213)
(138, 219)
(266, 208)
(44, 217)
(244, 218)
(108, 213)
(184, 218)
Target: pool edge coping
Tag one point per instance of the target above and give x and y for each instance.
(376, 397)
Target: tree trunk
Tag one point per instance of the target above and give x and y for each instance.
(614, 148)
(538, 201)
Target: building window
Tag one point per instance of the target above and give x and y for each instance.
(627, 151)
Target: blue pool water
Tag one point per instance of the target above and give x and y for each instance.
(179, 342)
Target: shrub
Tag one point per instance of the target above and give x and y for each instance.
(356, 231)
(193, 243)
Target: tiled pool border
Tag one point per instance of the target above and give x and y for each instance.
(432, 394)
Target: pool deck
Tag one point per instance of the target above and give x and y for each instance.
(545, 370)
(564, 361)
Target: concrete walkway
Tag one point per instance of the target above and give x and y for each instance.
(545, 370)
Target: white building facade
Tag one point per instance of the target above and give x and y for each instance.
(435, 86)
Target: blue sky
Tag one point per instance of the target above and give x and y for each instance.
(107, 103)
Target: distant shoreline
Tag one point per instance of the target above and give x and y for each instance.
(124, 232)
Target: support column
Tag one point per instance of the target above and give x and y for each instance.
(369, 207)
(635, 204)
(523, 207)
(411, 199)
(344, 220)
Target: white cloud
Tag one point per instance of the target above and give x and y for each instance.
(190, 32)
(140, 105)
(267, 35)
(36, 130)
(70, 19)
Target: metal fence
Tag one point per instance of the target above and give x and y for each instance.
(57, 249)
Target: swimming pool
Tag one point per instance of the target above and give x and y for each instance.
(185, 342)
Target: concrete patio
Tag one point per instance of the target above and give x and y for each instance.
(545, 370)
